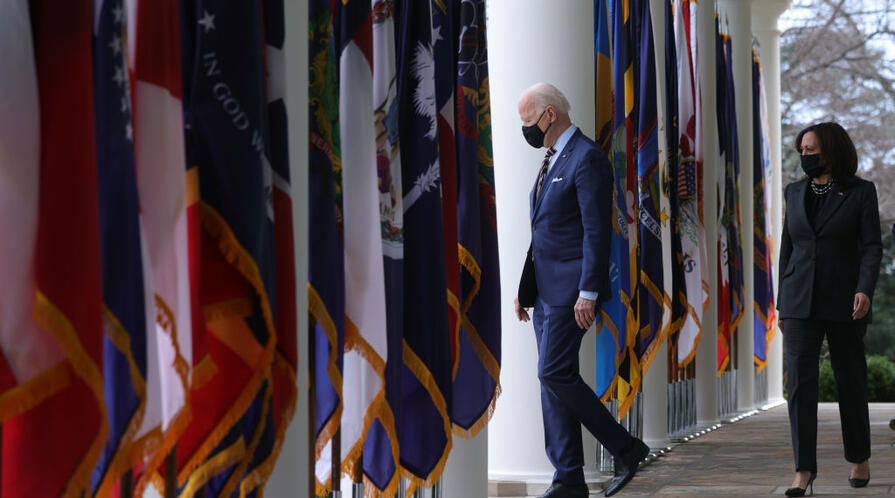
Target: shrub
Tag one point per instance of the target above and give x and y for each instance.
(880, 380)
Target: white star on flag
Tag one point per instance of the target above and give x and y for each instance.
(129, 132)
(119, 77)
(115, 45)
(207, 21)
(118, 13)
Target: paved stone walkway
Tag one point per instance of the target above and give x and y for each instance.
(753, 457)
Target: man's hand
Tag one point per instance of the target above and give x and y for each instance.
(862, 306)
(521, 313)
(585, 312)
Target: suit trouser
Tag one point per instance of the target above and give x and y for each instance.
(567, 402)
(802, 339)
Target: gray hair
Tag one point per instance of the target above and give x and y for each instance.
(544, 94)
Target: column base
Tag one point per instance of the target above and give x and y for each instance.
(773, 403)
(701, 429)
(523, 486)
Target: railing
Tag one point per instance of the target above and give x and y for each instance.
(727, 393)
(681, 408)
(633, 422)
(761, 387)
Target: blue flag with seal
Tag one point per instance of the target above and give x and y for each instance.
(735, 250)
(612, 311)
(424, 426)
(477, 383)
(326, 277)
(650, 293)
(124, 297)
(624, 239)
(764, 324)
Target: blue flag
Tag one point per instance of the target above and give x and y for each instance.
(735, 259)
(326, 277)
(124, 309)
(476, 385)
(612, 312)
(424, 427)
(650, 293)
(621, 309)
(227, 139)
(763, 328)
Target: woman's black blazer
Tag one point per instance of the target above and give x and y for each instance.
(825, 266)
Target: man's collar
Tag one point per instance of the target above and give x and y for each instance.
(564, 138)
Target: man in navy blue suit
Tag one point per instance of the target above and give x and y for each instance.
(565, 278)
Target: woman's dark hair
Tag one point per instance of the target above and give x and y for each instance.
(836, 149)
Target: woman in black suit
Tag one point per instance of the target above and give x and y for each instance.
(829, 262)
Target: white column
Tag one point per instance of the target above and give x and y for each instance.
(707, 352)
(655, 380)
(466, 472)
(290, 477)
(655, 400)
(530, 41)
(739, 14)
(765, 14)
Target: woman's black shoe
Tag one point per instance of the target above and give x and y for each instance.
(858, 483)
(808, 487)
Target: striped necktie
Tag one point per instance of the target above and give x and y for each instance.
(543, 174)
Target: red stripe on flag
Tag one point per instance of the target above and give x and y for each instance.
(158, 45)
(363, 38)
(67, 262)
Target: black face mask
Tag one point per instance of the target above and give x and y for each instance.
(533, 135)
(811, 165)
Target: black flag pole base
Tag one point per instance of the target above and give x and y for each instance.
(127, 484)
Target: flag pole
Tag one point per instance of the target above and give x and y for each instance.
(357, 489)
(336, 472)
(171, 473)
(127, 484)
(312, 439)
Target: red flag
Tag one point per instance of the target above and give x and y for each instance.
(67, 416)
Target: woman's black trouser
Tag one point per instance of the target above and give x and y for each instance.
(802, 340)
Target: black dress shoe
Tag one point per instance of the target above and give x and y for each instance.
(553, 486)
(797, 491)
(626, 466)
(858, 483)
(560, 490)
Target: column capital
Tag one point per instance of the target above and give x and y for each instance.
(765, 14)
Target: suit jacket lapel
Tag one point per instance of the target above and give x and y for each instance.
(557, 167)
(802, 215)
(837, 196)
(531, 200)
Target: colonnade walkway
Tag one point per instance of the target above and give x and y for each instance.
(753, 457)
